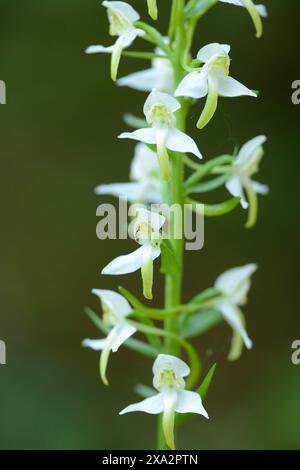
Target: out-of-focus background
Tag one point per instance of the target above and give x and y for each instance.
(58, 141)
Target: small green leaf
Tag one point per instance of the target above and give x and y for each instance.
(204, 387)
(199, 323)
(169, 262)
(199, 7)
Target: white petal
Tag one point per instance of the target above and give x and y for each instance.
(130, 35)
(146, 135)
(250, 148)
(152, 405)
(190, 402)
(134, 192)
(145, 80)
(233, 2)
(260, 8)
(230, 87)
(115, 301)
(193, 85)
(232, 280)
(123, 332)
(207, 52)
(155, 219)
(95, 344)
(231, 314)
(157, 97)
(125, 264)
(260, 188)
(168, 362)
(123, 8)
(97, 49)
(180, 142)
(144, 163)
(235, 188)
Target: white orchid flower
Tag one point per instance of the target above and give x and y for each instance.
(235, 285)
(255, 11)
(146, 232)
(169, 373)
(160, 76)
(152, 9)
(212, 81)
(121, 17)
(146, 183)
(159, 110)
(115, 310)
(244, 167)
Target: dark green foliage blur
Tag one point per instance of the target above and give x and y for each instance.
(58, 141)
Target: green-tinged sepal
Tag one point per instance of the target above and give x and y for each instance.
(152, 9)
(256, 18)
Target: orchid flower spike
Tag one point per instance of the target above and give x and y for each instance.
(244, 167)
(169, 373)
(255, 11)
(152, 9)
(146, 231)
(115, 311)
(235, 285)
(159, 110)
(160, 77)
(212, 81)
(121, 17)
(146, 184)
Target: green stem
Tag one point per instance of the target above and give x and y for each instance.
(173, 284)
(174, 281)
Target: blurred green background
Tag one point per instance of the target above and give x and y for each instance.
(58, 141)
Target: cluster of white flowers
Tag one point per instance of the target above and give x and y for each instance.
(150, 172)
